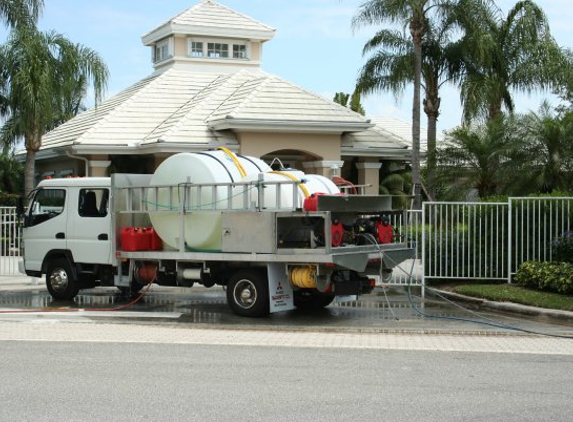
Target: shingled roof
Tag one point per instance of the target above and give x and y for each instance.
(209, 18)
(201, 108)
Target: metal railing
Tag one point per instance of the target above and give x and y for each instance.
(194, 197)
(9, 241)
(465, 240)
(408, 228)
(484, 240)
(536, 223)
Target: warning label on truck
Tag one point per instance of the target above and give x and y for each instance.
(280, 290)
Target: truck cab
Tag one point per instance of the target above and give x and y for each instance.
(67, 235)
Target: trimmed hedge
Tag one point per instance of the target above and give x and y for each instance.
(549, 276)
(8, 199)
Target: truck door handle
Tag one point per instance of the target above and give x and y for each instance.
(102, 236)
(60, 235)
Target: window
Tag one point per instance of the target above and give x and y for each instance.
(161, 51)
(217, 50)
(239, 51)
(47, 204)
(93, 202)
(196, 49)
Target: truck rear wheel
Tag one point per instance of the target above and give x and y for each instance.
(248, 293)
(312, 299)
(60, 280)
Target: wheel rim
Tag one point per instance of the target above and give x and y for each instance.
(59, 280)
(245, 294)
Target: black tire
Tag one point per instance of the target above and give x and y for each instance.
(248, 293)
(312, 299)
(60, 280)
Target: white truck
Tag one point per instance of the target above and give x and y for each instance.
(272, 238)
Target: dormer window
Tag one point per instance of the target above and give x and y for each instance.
(239, 51)
(162, 51)
(196, 49)
(217, 49)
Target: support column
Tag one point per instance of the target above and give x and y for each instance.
(98, 166)
(369, 174)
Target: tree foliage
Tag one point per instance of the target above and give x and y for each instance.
(413, 15)
(43, 77)
(355, 105)
(512, 155)
(16, 13)
(516, 52)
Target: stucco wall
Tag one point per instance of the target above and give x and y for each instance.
(318, 146)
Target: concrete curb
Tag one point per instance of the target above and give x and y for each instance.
(509, 306)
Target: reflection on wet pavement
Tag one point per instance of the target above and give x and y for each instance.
(395, 311)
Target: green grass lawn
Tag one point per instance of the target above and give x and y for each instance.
(517, 294)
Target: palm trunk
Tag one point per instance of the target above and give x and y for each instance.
(33, 143)
(432, 110)
(29, 171)
(416, 176)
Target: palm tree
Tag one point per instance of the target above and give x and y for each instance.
(392, 67)
(546, 153)
(396, 180)
(476, 160)
(20, 12)
(343, 99)
(41, 70)
(413, 14)
(517, 52)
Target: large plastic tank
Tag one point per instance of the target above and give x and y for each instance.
(202, 229)
(283, 197)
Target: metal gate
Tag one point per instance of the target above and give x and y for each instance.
(9, 241)
(489, 240)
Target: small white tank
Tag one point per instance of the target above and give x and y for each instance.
(202, 229)
(305, 185)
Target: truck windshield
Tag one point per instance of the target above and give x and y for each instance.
(47, 204)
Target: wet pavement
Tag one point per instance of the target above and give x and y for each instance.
(385, 310)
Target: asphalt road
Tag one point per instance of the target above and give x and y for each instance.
(76, 381)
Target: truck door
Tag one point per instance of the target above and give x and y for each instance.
(89, 226)
(45, 227)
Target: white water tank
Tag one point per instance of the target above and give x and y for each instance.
(202, 229)
(303, 185)
(202, 222)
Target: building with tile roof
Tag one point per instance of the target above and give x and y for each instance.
(208, 90)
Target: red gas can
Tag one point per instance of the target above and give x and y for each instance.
(311, 202)
(139, 239)
(384, 231)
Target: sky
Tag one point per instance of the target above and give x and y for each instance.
(314, 47)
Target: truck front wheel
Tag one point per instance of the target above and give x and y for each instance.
(60, 280)
(248, 293)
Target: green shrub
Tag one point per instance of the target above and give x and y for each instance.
(554, 277)
(8, 199)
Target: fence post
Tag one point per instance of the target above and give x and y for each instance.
(509, 237)
(423, 250)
